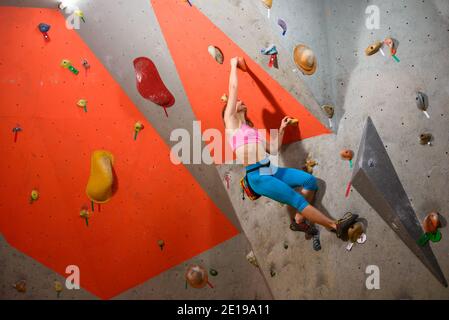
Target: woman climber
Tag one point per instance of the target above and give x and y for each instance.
(265, 179)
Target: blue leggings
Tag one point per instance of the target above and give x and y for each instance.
(279, 183)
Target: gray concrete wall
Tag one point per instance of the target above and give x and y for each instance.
(359, 86)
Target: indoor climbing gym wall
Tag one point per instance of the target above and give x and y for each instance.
(94, 96)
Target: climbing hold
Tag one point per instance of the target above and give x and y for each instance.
(85, 215)
(85, 64)
(355, 231)
(99, 186)
(293, 122)
(216, 54)
(329, 111)
(44, 28)
(138, 126)
(272, 272)
(150, 84)
(269, 50)
(242, 64)
(347, 154)
(362, 239)
(213, 272)
(431, 222)
(34, 196)
(58, 288)
(196, 277)
(283, 25)
(310, 163)
(161, 244)
(373, 48)
(224, 98)
(68, 65)
(285, 245)
(432, 236)
(16, 131)
(20, 286)
(227, 178)
(80, 14)
(436, 236)
(252, 259)
(82, 103)
(425, 138)
(305, 59)
(267, 3)
(272, 52)
(422, 103)
(389, 42)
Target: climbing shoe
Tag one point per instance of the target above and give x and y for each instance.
(344, 223)
(303, 227)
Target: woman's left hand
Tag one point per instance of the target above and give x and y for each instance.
(284, 123)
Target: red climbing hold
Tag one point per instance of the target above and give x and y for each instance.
(150, 84)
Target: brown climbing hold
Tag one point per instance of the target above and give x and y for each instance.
(432, 222)
(216, 54)
(252, 259)
(224, 98)
(328, 110)
(293, 122)
(241, 64)
(355, 231)
(310, 163)
(373, 48)
(196, 276)
(58, 288)
(425, 138)
(305, 59)
(267, 3)
(20, 286)
(347, 154)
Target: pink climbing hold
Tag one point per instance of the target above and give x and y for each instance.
(150, 84)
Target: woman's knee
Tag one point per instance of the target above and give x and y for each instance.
(311, 183)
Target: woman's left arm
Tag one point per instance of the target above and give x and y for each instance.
(276, 141)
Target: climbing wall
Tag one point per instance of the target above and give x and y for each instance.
(357, 85)
(155, 200)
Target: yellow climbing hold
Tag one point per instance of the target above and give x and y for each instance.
(99, 186)
(58, 287)
(267, 3)
(34, 196)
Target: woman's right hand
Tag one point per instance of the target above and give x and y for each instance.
(234, 62)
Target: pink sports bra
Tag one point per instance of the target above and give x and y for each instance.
(245, 135)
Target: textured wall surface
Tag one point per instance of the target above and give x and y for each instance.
(118, 31)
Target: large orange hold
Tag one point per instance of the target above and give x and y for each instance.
(99, 186)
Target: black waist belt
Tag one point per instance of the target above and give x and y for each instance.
(258, 167)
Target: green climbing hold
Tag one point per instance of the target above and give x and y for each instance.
(423, 239)
(436, 236)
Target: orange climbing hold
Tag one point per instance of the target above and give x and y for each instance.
(99, 187)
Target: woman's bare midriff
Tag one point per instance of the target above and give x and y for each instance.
(251, 153)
